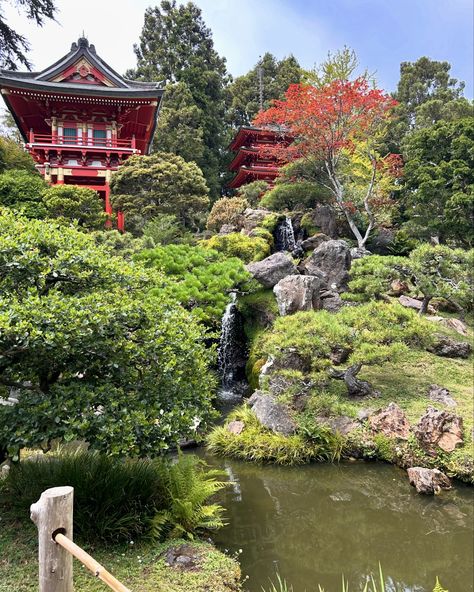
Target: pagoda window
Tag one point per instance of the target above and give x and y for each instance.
(100, 136)
(96, 163)
(70, 135)
(73, 162)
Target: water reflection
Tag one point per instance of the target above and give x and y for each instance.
(315, 522)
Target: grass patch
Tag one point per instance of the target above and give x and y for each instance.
(141, 567)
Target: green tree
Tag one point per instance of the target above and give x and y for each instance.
(86, 352)
(147, 186)
(342, 64)
(13, 45)
(13, 156)
(176, 46)
(244, 92)
(438, 188)
(22, 191)
(166, 229)
(227, 210)
(426, 93)
(180, 124)
(70, 203)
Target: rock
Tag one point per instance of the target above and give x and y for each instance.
(343, 424)
(359, 252)
(439, 429)
(339, 355)
(331, 301)
(297, 292)
(455, 324)
(391, 421)
(332, 258)
(288, 359)
(272, 414)
(450, 348)
(413, 303)
(325, 217)
(183, 557)
(364, 414)
(381, 241)
(398, 287)
(441, 395)
(252, 218)
(227, 229)
(271, 270)
(428, 481)
(314, 241)
(236, 427)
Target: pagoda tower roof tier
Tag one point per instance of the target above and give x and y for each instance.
(254, 173)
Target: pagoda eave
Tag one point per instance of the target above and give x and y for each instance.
(249, 174)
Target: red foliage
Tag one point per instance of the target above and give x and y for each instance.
(325, 120)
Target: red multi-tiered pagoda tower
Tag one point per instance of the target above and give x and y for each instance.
(250, 162)
(80, 119)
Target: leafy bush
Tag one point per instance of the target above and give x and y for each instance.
(198, 278)
(113, 499)
(239, 245)
(166, 229)
(92, 355)
(121, 500)
(22, 191)
(290, 196)
(253, 192)
(69, 203)
(226, 210)
(255, 443)
(122, 244)
(372, 276)
(189, 486)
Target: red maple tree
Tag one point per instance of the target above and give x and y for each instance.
(327, 124)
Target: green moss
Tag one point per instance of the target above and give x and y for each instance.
(271, 221)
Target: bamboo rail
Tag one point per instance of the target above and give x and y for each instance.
(92, 565)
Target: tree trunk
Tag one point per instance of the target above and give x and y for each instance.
(424, 305)
(355, 386)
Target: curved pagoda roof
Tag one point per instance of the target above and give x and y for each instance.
(82, 72)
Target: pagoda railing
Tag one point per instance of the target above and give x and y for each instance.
(81, 142)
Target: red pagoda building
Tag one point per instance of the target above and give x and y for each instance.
(249, 163)
(80, 119)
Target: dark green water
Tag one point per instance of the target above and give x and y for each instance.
(313, 523)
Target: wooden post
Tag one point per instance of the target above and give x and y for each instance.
(52, 513)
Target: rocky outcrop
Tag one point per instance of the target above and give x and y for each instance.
(439, 429)
(455, 324)
(414, 304)
(450, 348)
(312, 242)
(342, 424)
(381, 241)
(331, 301)
(440, 394)
(227, 229)
(297, 292)
(272, 414)
(428, 481)
(250, 219)
(359, 252)
(391, 422)
(271, 270)
(333, 258)
(325, 218)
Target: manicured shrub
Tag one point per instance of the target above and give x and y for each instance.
(253, 192)
(372, 276)
(22, 191)
(290, 196)
(239, 245)
(71, 203)
(166, 229)
(226, 210)
(198, 278)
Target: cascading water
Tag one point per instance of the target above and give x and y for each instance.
(231, 353)
(284, 236)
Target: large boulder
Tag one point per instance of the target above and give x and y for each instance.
(272, 414)
(333, 258)
(250, 219)
(271, 270)
(325, 218)
(439, 429)
(331, 301)
(342, 424)
(428, 481)
(297, 292)
(312, 242)
(450, 348)
(391, 422)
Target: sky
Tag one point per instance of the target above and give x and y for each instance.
(382, 32)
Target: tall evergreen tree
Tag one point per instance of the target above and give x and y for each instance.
(244, 92)
(176, 47)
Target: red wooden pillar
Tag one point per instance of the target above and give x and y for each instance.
(120, 222)
(108, 206)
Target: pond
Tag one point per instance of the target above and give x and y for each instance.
(313, 523)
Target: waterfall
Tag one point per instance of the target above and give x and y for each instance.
(285, 236)
(231, 352)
